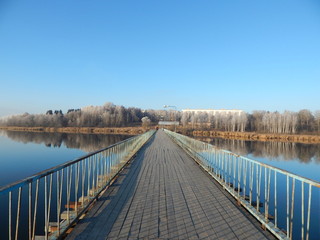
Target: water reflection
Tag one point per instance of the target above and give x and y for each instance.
(298, 158)
(280, 150)
(85, 142)
(23, 154)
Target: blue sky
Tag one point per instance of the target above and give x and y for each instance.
(248, 55)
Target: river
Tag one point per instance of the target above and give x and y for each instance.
(299, 158)
(23, 154)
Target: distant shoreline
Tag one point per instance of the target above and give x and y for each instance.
(83, 130)
(263, 137)
(251, 136)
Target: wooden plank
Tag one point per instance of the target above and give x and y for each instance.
(163, 194)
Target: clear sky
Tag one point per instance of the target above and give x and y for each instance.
(250, 55)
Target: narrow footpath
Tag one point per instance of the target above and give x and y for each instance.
(164, 194)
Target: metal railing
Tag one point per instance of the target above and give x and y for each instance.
(48, 203)
(286, 204)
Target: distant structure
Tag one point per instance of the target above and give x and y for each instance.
(214, 111)
(168, 123)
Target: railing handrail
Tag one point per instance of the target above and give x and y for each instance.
(20, 183)
(54, 199)
(294, 175)
(249, 182)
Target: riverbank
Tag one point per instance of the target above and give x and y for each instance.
(265, 137)
(83, 130)
(252, 136)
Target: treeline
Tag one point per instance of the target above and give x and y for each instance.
(110, 115)
(303, 121)
(219, 121)
(287, 122)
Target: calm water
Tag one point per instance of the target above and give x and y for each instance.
(23, 154)
(298, 158)
(301, 159)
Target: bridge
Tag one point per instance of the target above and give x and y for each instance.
(161, 185)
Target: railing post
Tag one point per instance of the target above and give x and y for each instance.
(302, 210)
(45, 208)
(309, 211)
(275, 200)
(30, 211)
(292, 207)
(288, 207)
(10, 216)
(18, 214)
(227, 167)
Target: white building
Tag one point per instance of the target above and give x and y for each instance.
(214, 111)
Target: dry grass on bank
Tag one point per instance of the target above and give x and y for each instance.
(200, 133)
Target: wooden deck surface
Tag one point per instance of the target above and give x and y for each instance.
(163, 194)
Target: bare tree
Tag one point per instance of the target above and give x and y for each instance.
(305, 120)
(145, 121)
(185, 118)
(317, 119)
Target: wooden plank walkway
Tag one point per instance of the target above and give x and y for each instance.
(163, 194)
